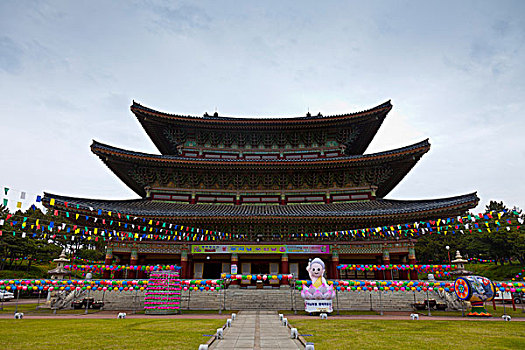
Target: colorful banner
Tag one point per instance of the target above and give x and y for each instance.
(318, 306)
(260, 249)
(308, 249)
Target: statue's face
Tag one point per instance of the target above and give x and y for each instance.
(316, 270)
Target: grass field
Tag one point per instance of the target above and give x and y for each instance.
(389, 334)
(106, 334)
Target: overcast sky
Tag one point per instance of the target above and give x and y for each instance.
(454, 71)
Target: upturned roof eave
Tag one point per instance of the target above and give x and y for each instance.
(138, 108)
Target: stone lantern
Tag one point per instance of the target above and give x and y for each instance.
(59, 272)
(460, 263)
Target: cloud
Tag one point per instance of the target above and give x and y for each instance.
(179, 18)
(10, 55)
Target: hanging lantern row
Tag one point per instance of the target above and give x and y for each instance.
(405, 286)
(100, 285)
(70, 285)
(102, 268)
(403, 267)
(255, 277)
(519, 276)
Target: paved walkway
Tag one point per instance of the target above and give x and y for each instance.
(257, 330)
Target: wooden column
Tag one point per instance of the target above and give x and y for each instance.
(134, 258)
(285, 269)
(107, 261)
(235, 260)
(335, 262)
(386, 261)
(412, 261)
(403, 274)
(184, 264)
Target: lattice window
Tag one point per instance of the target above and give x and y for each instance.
(227, 139)
(255, 140)
(281, 140)
(238, 180)
(307, 138)
(327, 179)
(339, 179)
(209, 180)
(294, 139)
(215, 138)
(268, 140)
(343, 135)
(241, 140)
(268, 180)
(194, 179)
(222, 180)
(180, 179)
(253, 180)
(282, 180)
(320, 137)
(164, 177)
(312, 180)
(201, 138)
(297, 180)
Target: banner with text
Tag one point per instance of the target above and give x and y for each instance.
(318, 306)
(260, 249)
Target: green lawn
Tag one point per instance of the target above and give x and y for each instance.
(106, 334)
(390, 334)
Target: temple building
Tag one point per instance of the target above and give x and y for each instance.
(260, 195)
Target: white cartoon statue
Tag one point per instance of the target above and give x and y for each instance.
(319, 289)
(316, 271)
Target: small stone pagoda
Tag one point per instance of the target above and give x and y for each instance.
(460, 263)
(59, 272)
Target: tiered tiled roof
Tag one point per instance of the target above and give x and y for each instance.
(365, 209)
(155, 124)
(400, 160)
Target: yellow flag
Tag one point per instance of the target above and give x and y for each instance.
(52, 201)
(19, 204)
(37, 221)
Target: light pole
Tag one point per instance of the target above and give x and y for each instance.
(448, 252)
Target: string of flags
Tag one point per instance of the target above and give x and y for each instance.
(150, 229)
(50, 230)
(19, 199)
(102, 224)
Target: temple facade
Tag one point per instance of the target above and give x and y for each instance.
(260, 195)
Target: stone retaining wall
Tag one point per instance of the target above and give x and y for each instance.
(269, 299)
